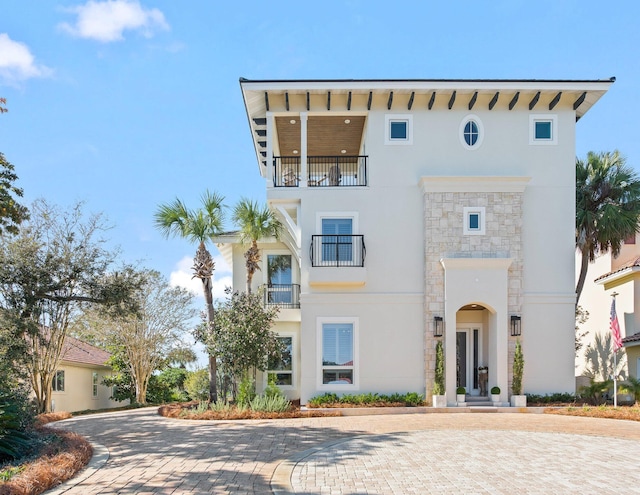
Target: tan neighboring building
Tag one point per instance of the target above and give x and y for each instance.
(608, 275)
(77, 383)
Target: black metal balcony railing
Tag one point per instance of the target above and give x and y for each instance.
(283, 295)
(337, 250)
(322, 171)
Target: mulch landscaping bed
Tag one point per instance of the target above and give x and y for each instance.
(61, 457)
(631, 413)
(186, 411)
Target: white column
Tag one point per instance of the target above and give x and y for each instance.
(449, 351)
(303, 149)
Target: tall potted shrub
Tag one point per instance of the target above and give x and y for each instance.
(517, 398)
(439, 397)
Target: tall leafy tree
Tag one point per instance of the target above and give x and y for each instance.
(255, 223)
(11, 212)
(53, 268)
(147, 337)
(607, 207)
(176, 220)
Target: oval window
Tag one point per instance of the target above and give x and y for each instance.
(471, 131)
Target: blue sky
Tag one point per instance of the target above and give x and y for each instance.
(127, 104)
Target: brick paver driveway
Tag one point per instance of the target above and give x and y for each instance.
(395, 454)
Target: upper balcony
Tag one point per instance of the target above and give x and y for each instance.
(322, 171)
(337, 260)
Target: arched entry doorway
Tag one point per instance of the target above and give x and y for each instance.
(472, 324)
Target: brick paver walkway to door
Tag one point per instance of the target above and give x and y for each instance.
(394, 454)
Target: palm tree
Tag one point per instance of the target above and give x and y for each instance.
(607, 207)
(255, 223)
(175, 219)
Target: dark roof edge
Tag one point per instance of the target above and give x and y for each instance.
(610, 80)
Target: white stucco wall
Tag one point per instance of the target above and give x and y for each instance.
(78, 390)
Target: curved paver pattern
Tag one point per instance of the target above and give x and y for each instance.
(357, 455)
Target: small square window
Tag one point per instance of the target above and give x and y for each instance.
(543, 129)
(398, 129)
(474, 220)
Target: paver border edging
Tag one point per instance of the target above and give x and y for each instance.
(281, 478)
(98, 459)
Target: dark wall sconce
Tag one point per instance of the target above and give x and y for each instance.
(516, 326)
(438, 326)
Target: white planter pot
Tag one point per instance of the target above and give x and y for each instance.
(518, 401)
(495, 397)
(461, 397)
(439, 400)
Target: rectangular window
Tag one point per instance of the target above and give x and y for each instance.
(337, 240)
(279, 279)
(337, 353)
(398, 129)
(474, 220)
(58, 381)
(282, 370)
(94, 384)
(543, 129)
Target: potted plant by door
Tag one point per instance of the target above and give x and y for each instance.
(495, 395)
(439, 399)
(461, 395)
(518, 399)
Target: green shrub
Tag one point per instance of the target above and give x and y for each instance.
(550, 398)
(321, 400)
(410, 399)
(220, 406)
(202, 407)
(495, 390)
(272, 389)
(461, 391)
(518, 369)
(246, 391)
(13, 440)
(276, 403)
(197, 384)
(438, 385)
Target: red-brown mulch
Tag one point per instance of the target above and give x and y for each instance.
(184, 411)
(43, 419)
(57, 462)
(631, 413)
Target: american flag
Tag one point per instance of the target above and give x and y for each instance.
(615, 327)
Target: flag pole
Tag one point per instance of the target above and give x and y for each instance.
(615, 362)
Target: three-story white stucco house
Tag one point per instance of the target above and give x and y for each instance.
(418, 211)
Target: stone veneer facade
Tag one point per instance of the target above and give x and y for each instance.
(443, 217)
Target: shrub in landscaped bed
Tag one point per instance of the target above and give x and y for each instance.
(265, 408)
(410, 399)
(550, 399)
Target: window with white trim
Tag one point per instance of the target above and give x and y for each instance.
(94, 384)
(338, 353)
(398, 129)
(543, 129)
(57, 385)
(471, 132)
(474, 220)
(281, 370)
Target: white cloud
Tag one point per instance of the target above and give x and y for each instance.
(106, 21)
(182, 276)
(17, 63)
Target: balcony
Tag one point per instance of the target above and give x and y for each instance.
(322, 171)
(337, 250)
(285, 296)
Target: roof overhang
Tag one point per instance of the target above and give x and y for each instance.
(358, 96)
(617, 275)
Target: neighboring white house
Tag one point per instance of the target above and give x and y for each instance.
(608, 275)
(77, 383)
(414, 206)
